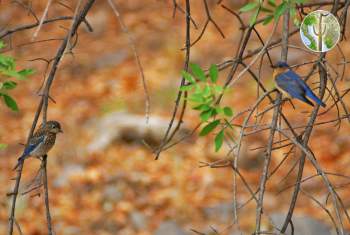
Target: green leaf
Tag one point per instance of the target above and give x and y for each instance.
(8, 85)
(267, 19)
(202, 107)
(196, 98)
(2, 44)
(2, 146)
(209, 127)
(264, 9)
(186, 87)
(219, 110)
(188, 77)
(24, 73)
(280, 10)
(198, 72)
(11, 103)
(253, 17)
(300, 1)
(248, 7)
(206, 91)
(272, 3)
(10, 73)
(228, 111)
(219, 139)
(7, 63)
(219, 89)
(213, 73)
(205, 115)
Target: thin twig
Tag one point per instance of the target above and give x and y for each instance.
(42, 20)
(46, 195)
(136, 55)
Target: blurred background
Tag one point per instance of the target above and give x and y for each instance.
(102, 178)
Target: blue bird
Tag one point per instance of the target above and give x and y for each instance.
(41, 142)
(291, 85)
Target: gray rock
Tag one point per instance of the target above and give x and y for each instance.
(111, 59)
(138, 220)
(170, 228)
(67, 172)
(112, 194)
(302, 225)
(221, 212)
(127, 127)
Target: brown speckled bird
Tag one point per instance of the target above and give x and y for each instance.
(41, 142)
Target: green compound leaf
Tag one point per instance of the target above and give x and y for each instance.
(198, 72)
(219, 139)
(209, 127)
(248, 7)
(213, 73)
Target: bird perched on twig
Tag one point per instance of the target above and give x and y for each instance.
(41, 142)
(291, 84)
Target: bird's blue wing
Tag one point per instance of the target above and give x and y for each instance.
(307, 90)
(291, 83)
(34, 143)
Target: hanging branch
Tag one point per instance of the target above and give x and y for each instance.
(43, 105)
(137, 58)
(168, 136)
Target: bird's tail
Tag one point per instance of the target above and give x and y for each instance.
(19, 162)
(312, 96)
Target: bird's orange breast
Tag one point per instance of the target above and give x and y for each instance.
(277, 72)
